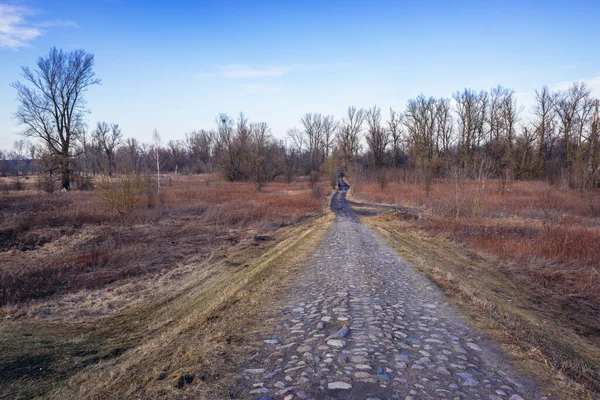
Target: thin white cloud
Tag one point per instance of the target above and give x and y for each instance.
(17, 31)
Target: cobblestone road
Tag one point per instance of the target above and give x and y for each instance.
(362, 323)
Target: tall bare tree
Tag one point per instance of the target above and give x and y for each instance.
(295, 151)
(571, 107)
(471, 108)
(107, 138)
(349, 134)
(260, 157)
(199, 145)
(330, 126)
(394, 125)
(420, 120)
(230, 146)
(545, 112)
(444, 126)
(53, 107)
(377, 136)
(313, 129)
(132, 151)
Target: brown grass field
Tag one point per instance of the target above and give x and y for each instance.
(525, 264)
(95, 304)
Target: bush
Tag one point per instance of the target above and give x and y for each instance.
(123, 194)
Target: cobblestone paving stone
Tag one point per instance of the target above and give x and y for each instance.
(362, 323)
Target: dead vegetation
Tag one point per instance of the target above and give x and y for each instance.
(85, 287)
(525, 264)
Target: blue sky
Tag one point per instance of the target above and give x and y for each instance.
(175, 65)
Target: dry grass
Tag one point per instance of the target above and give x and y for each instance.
(70, 241)
(526, 263)
(85, 288)
(551, 235)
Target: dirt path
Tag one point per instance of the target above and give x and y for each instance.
(362, 323)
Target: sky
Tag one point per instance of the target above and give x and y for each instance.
(175, 65)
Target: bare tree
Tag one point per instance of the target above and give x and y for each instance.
(395, 129)
(230, 146)
(471, 108)
(330, 126)
(294, 152)
(544, 110)
(349, 134)
(298, 139)
(259, 153)
(53, 107)
(132, 153)
(313, 129)
(444, 126)
(20, 147)
(377, 136)
(420, 120)
(494, 116)
(522, 154)
(571, 107)
(107, 138)
(510, 116)
(199, 145)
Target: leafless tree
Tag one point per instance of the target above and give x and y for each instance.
(444, 126)
(545, 113)
(53, 107)
(107, 138)
(349, 134)
(571, 108)
(330, 126)
(377, 136)
(298, 139)
(177, 154)
(199, 145)
(509, 117)
(395, 129)
(314, 133)
(229, 148)
(495, 114)
(523, 154)
(20, 148)
(420, 120)
(260, 158)
(132, 150)
(471, 108)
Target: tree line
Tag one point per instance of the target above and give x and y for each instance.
(467, 133)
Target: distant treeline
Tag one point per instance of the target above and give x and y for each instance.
(471, 131)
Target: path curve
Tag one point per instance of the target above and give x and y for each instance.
(362, 323)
